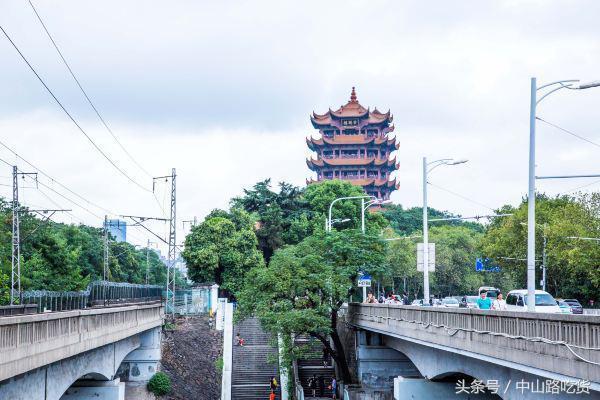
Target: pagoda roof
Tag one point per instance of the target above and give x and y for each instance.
(351, 109)
(368, 182)
(351, 139)
(321, 162)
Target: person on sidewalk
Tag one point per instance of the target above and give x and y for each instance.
(321, 386)
(484, 302)
(333, 388)
(499, 304)
(312, 385)
(325, 357)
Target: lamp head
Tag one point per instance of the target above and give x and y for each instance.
(456, 162)
(589, 85)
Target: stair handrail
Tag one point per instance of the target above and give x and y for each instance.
(298, 389)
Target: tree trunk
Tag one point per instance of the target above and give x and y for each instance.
(340, 355)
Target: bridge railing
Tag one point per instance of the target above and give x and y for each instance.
(578, 330)
(528, 338)
(31, 341)
(98, 293)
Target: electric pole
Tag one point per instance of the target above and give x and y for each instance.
(148, 260)
(15, 273)
(172, 245)
(171, 242)
(15, 276)
(105, 270)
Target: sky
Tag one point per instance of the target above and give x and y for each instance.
(222, 91)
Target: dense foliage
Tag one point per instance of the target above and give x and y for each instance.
(222, 248)
(159, 384)
(302, 289)
(57, 256)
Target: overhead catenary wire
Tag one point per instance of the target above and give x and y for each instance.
(461, 196)
(53, 180)
(569, 132)
(87, 97)
(79, 127)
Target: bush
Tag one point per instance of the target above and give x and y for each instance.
(160, 384)
(219, 365)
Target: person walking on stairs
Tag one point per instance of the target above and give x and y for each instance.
(273, 384)
(333, 388)
(312, 385)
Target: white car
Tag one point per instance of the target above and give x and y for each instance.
(516, 300)
(450, 302)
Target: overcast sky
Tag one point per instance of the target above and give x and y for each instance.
(222, 91)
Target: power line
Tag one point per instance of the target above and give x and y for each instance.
(461, 196)
(70, 116)
(52, 179)
(85, 93)
(570, 132)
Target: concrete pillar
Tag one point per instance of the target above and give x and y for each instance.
(214, 295)
(220, 314)
(96, 390)
(283, 372)
(227, 352)
(143, 362)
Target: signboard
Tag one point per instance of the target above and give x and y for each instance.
(364, 280)
(482, 265)
(431, 260)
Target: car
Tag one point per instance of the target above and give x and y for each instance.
(419, 302)
(450, 302)
(469, 302)
(516, 300)
(576, 306)
(565, 308)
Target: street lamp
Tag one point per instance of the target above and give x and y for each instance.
(328, 223)
(552, 87)
(584, 238)
(364, 206)
(427, 168)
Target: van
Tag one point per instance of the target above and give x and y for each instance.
(516, 300)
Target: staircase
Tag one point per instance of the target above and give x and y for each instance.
(251, 369)
(312, 364)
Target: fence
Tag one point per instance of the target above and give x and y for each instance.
(192, 301)
(97, 293)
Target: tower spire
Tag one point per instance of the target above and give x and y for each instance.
(353, 96)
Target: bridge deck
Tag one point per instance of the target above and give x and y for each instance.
(34, 340)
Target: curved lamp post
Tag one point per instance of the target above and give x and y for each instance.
(571, 84)
(427, 168)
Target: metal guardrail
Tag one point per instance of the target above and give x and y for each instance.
(18, 309)
(98, 293)
(568, 343)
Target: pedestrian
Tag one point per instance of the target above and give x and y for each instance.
(238, 340)
(273, 384)
(325, 357)
(312, 385)
(333, 388)
(390, 298)
(321, 386)
(431, 301)
(405, 299)
(499, 304)
(371, 299)
(484, 302)
(272, 396)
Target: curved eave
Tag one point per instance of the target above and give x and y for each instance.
(313, 165)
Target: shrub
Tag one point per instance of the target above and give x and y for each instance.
(219, 365)
(160, 384)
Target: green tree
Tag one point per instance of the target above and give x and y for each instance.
(572, 265)
(222, 248)
(302, 289)
(281, 215)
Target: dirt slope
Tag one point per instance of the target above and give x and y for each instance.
(189, 355)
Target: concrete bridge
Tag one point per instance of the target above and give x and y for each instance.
(79, 354)
(525, 355)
